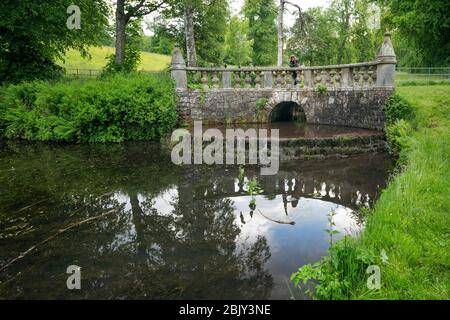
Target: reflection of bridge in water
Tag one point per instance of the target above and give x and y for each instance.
(349, 182)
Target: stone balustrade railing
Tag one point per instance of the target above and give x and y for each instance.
(341, 76)
(379, 73)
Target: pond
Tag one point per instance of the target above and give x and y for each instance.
(160, 231)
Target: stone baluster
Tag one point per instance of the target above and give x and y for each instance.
(329, 79)
(373, 75)
(366, 76)
(337, 78)
(289, 79)
(204, 80)
(279, 79)
(258, 80)
(284, 79)
(299, 79)
(248, 80)
(237, 78)
(324, 76)
(356, 76)
(331, 75)
(361, 76)
(215, 80)
(317, 77)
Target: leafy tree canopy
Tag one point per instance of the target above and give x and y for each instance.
(33, 33)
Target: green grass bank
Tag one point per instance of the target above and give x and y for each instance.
(410, 221)
(98, 60)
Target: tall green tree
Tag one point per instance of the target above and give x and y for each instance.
(238, 49)
(164, 36)
(338, 34)
(364, 42)
(127, 11)
(34, 34)
(134, 42)
(344, 12)
(204, 24)
(315, 43)
(262, 15)
(421, 30)
(210, 28)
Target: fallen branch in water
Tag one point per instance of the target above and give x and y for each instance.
(73, 225)
(276, 221)
(30, 206)
(43, 200)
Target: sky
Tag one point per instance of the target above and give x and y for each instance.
(236, 6)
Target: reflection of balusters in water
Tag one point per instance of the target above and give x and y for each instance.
(357, 199)
(331, 192)
(236, 184)
(367, 202)
(323, 189)
(290, 184)
(286, 185)
(237, 79)
(317, 188)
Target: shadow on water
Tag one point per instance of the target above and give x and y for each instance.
(177, 232)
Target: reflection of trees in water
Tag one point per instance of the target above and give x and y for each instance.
(191, 253)
(142, 253)
(138, 253)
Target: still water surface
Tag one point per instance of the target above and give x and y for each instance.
(175, 232)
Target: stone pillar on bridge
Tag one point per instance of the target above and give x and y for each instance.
(309, 81)
(178, 68)
(386, 63)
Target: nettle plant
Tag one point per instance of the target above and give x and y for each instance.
(336, 275)
(253, 187)
(321, 88)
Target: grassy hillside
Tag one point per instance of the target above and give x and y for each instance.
(150, 61)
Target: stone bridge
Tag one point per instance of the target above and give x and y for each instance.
(346, 95)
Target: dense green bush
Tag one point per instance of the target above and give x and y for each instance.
(398, 135)
(399, 114)
(114, 108)
(397, 108)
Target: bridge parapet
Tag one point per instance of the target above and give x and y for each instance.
(378, 73)
(358, 75)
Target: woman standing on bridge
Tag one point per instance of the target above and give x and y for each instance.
(293, 63)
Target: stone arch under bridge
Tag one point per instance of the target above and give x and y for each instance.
(285, 106)
(346, 95)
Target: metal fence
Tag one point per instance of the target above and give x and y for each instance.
(422, 74)
(95, 73)
(82, 73)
